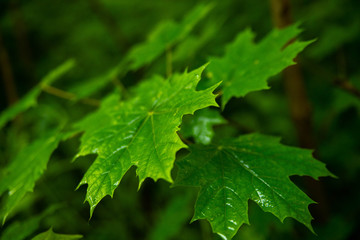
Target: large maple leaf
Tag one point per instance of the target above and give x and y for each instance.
(255, 167)
(141, 131)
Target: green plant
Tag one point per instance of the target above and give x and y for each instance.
(148, 123)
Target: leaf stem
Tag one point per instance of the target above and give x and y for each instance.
(68, 96)
(219, 93)
(347, 86)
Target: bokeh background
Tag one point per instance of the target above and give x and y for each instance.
(36, 36)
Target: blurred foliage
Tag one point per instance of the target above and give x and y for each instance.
(37, 36)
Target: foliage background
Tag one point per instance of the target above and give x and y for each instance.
(39, 35)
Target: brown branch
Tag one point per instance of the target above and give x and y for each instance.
(347, 86)
(68, 96)
(281, 13)
(300, 107)
(7, 74)
(339, 81)
(293, 80)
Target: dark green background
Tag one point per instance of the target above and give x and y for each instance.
(38, 35)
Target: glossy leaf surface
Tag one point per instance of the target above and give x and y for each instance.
(255, 167)
(140, 132)
(200, 125)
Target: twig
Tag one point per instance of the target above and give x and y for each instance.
(347, 86)
(340, 82)
(68, 96)
(58, 92)
(293, 80)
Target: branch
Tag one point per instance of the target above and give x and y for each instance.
(347, 86)
(7, 74)
(300, 107)
(69, 96)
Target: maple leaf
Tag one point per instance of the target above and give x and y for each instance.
(246, 66)
(255, 167)
(20, 176)
(140, 132)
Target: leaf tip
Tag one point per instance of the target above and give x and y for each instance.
(92, 208)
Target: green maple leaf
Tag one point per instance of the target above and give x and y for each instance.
(164, 36)
(255, 167)
(140, 132)
(50, 235)
(30, 99)
(246, 66)
(20, 176)
(200, 125)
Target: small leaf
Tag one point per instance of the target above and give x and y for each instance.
(50, 235)
(255, 167)
(200, 125)
(246, 66)
(140, 132)
(166, 35)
